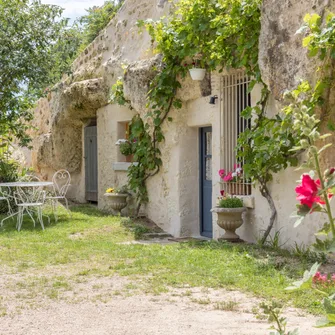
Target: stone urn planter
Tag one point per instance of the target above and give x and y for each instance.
(117, 201)
(197, 73)
(230, 219)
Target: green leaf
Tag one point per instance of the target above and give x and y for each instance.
(306, 41)
(325, 147)
(306, 280)
(298, 221)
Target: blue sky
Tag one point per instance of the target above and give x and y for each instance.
(74, 8)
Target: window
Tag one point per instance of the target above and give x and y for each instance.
(234, 99)
(123, 131)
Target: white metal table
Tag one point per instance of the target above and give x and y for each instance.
(23, 184)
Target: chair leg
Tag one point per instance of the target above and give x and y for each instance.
(19, 218)
(10, 212)
(31, 217)
(40, 217)
(54, 209)
(67, 207)
(8, 217)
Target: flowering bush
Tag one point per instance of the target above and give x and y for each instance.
(324, 280)
(324, 284)
(115, 190)
(316, 187)
(232, 176)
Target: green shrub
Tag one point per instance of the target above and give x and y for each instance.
(126, 148)
(230, 203)
(10, 171)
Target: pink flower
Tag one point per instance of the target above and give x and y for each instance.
(307, 191)
(222, 173)
(236, 166)
(228, 177)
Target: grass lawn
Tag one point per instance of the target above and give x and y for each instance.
(92, 243)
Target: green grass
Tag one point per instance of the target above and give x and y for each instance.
(88, 244)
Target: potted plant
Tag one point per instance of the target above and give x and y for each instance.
(234, 182)
(196, 69)
(118, 197)
(230, 211)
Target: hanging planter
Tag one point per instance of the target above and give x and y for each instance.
(197, 73)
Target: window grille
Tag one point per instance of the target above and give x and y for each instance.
(234, 99)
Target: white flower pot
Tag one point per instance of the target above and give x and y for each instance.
(197, 74)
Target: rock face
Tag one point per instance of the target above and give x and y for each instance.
(61, 146)
(72, 103)
(283, 60)
(137, 79)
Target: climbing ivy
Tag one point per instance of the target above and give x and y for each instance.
(215, 34)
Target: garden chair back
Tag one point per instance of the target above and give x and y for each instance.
(26, 201)
(61, 183)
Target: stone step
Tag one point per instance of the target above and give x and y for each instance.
(149, 236)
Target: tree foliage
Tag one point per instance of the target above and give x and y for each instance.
(97, 18)
(28, 33)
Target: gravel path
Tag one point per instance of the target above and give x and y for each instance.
(108, 306)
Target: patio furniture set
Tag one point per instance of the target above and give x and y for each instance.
(30, 196)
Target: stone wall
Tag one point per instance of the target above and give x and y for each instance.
(174, 192)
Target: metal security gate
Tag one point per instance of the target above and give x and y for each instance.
(235, 97)
(91, 163)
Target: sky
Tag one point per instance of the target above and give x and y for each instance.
(74, 8)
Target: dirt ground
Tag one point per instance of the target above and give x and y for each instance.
(118, 306)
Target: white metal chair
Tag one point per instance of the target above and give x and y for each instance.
(6, 196)
(61, 183)
(26, 201)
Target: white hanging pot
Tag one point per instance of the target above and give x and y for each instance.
(197, 73)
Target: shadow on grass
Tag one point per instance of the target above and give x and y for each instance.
(140, 227)
(90, 210)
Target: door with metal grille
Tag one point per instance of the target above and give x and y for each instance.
(91, 163)
(206, 227)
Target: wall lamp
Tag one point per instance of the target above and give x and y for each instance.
(212, 99)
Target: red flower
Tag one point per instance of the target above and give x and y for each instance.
(307, 192)
(222, 193)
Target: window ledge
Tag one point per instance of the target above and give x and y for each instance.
(248, 200)
(122, 166)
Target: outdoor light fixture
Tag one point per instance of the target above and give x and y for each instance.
(212, 99)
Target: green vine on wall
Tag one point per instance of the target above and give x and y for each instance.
(223, 34)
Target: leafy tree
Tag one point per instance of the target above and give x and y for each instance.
(97, 19)
(29, 31)
(64, 52)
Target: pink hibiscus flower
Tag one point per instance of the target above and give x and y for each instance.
(307, 192)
